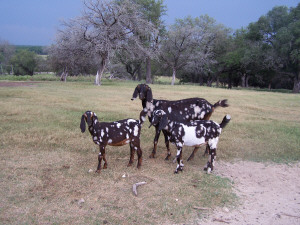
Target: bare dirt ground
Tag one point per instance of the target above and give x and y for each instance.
(18, 84)
(269, 194)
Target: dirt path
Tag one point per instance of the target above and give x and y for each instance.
(269, 194)
(18, 83)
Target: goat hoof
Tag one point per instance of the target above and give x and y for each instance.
(97, 171)
(151, 156)
(105, 167)
(168, 157)
(139, 166)
(209, 170)
(129, 164)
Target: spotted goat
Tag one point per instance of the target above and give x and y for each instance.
(194, 133)
(117, 133)
(184, 110)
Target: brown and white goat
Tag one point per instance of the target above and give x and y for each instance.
(117, 133)
(194, 133)
(184, 110)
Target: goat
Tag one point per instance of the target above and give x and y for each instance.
(115, 134)
(184, 110)
(194, 133)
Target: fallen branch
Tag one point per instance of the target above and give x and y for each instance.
(134, 187)
(200, 208)
(220, 220)
(285, 214)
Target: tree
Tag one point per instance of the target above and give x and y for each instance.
(6, 52)
(189, 43)
(71, 53)
(178, 45)
(280, 31)
(24, 62)
(105, 28)
(153, 10)
(208, 34)
(109, 25)
(289, 45)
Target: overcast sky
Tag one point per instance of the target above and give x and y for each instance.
(35, 22)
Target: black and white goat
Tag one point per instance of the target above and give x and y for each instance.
(184, 110)
(194, 133)
(117, 133)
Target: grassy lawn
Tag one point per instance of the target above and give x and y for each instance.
(45, 159)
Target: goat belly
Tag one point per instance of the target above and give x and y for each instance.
(119, 143)
(190, 138)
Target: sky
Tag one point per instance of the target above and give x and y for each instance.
(35, 22)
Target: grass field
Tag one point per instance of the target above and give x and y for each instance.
(45, 159)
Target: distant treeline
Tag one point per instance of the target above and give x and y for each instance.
(129, 40)
(40, 50)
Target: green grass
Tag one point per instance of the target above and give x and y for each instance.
(45, 158)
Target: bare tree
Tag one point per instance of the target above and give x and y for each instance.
(6, 52)
(109, 26)
(207, 36)
(178, 46)
(72, 54)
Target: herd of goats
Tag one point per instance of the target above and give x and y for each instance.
(183, 122)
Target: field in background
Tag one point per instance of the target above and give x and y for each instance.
(45, 158)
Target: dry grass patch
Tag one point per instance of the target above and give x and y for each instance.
(45, 158)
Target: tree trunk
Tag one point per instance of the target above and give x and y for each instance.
(139, 72)
(100, 72)
(229, 80)
(64, 75)
(173, 76)
(201, 82)
(148, 71)
(247, 81)
(296, 88)
(217, 82)
(209, 82)
(244, 80)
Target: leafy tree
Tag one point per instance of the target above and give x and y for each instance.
(279, 32)
(24, 62)
(208, 37)
(153, 10)
(178, 45)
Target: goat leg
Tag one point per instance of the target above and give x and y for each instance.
(167, 145)
(100, 157)
(179, 160)
(131, 154)
(193, 153)
(157, 133)
(99, 163)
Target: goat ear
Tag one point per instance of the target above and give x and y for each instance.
(82, 124)
(149, 95)
(135, 93)
(163, 122)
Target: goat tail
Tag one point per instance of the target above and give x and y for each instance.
(221, 103)
(225, 121)
(143, 116)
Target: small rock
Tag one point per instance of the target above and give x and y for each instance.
(226, 209)
(90, 170)
(81, 201)
(176, 199)
(124, 175)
